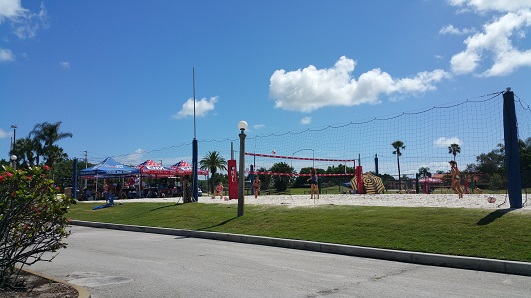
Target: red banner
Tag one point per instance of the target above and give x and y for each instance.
(299, 158)
(359, 180)
(298, 174)
(233, 179)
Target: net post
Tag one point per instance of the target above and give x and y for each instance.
(512, 155)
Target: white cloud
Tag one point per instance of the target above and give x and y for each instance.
(492, 48)
(450, 29)
(24, 22)
(202, 107)
(6, 55)
(3, 134)
(258, 126)
(306, 120)
(134, 158)
(496, 5)
(65, 64)
(445, 142)
(310, 88)
(10, 9)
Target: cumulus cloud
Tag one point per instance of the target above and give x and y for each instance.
(65, 64)
(491, 5)
(445, 142)
(24, 22)
(492, 48)
(10, 9)
(310, 88)
(306, 120)
(6, 55)
(202, 107)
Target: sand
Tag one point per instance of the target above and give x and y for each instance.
(402, 200)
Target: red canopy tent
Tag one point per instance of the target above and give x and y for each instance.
(430, 180)
(155, 170)
(183, 168)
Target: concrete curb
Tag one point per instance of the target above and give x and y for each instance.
(82, 292)
(460, 262)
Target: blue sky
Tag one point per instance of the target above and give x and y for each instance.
(118, 74)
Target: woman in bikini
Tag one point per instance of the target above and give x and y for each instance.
(313, 183)
(456, 183)
(219, 190)
(257, 185)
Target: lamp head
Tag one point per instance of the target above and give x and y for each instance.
(242, 125)
(13, 157)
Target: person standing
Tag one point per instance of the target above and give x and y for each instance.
(219, 190)
(314, 186)
(456, 182)
(257, 184)
(187, 190)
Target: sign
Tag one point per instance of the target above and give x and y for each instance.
(233, 180)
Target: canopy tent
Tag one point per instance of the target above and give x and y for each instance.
(153, 169)
(108, 168)
(430, 180)
(183, 168)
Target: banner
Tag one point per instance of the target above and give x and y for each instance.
(233, 179)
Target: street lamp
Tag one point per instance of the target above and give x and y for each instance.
(14, 161)
(14, 127)
(242, 126)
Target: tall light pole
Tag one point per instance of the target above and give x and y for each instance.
(194, 154)
(242, 125)
(14, 127)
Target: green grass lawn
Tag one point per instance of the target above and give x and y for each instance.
(466, 232)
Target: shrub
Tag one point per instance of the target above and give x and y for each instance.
(32, 220)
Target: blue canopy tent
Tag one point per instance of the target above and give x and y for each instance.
(108, 168)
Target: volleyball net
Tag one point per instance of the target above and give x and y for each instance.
(475, 124)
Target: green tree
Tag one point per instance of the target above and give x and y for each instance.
(281, 182)
(47, 134)
(62, 172)
(26, 150)
(454, 149)
(212, 162)
(265, 179)
(525, 162)
(424, 172)
(32, 220)
(399, 146)
(301, 181)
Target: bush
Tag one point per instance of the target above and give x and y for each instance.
(32, 220)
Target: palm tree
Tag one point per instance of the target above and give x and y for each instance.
(424, 172)
(212, 162)
(25, 150)
(46, 135)
(398, 145)
(454, 149)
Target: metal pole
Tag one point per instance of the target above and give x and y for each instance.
(14, 127)
(195, 193)
(241, 174)
(74, 179)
